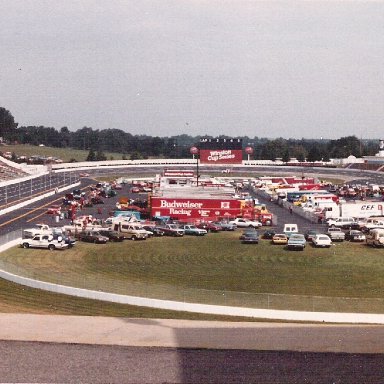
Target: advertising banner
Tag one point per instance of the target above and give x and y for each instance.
(194, 208)
(221, 156)
(178, 173)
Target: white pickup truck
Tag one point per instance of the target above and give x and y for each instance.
(45, 241)
(336, 234)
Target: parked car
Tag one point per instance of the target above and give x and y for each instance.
(296, 241)
(268, 234)
(356, 226)
(310, 234)
(280, 238)
(375, 237)
(336, 234)
(209, 227)
(250, 237)
(172, 230)
(92, 237)
(322, 241)
(78, 194)
(44, 241)
(190, 229)
(97, 200)
(355, 235)
(156, 231)
(246, 232)
(112, 235)
(243, 223)
(54, 210)
(135, 190)
(226, 225)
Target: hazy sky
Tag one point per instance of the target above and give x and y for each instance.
(166, 67)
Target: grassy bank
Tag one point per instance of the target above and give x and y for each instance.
(217, 269)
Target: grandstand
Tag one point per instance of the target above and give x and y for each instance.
(9, 172)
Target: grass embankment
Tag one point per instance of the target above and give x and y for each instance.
(16, 298)
(65, 154)
(217, 269)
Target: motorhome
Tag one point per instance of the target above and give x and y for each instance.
(130, 230)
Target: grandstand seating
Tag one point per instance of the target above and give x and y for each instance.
(8, 172)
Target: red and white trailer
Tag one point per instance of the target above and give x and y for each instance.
(195, 208)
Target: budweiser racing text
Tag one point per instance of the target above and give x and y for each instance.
(179, 204)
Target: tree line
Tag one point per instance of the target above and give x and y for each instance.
(144, 146)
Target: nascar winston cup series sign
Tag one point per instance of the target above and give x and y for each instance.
(220, 151)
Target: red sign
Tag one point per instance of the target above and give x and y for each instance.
(221, 156)
(194, 208)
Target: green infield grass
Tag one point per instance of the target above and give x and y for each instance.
(217, 269)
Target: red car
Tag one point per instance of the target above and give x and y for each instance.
(136, 190)
(54, 210)
(209, 227)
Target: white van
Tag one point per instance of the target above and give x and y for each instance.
(375, 237)
(341, 222)
(372, 223)
(290, 229)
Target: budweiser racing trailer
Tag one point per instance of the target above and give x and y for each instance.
(187, 208)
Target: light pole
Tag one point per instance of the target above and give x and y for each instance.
(195, 151)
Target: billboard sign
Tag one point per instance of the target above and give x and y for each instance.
(220, 151)
(221, 156)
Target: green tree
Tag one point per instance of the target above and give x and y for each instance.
(100, 155)
(91, 155)
(7, 123)
(314, 154)
(286, 156)
(134, 156)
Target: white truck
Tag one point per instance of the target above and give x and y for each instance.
(44, 241)
(40, 229)
(335, 234)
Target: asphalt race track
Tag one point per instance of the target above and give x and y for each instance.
(71, 363)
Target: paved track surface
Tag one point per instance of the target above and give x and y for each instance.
(61, 363)
(72, 349)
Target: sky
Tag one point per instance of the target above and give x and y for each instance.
(291, 69)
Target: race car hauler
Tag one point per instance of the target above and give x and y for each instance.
(358, 210)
